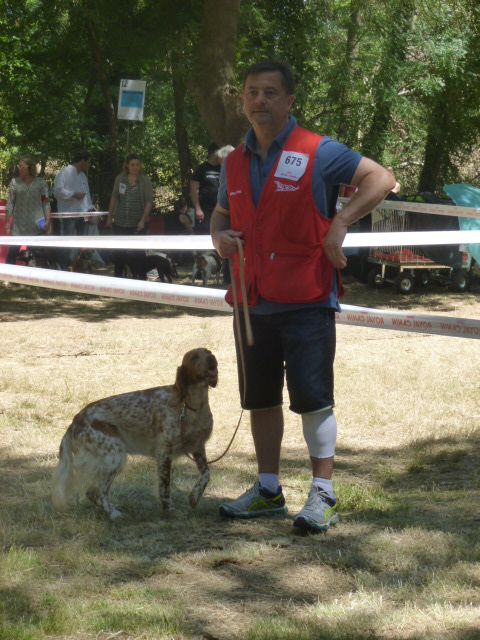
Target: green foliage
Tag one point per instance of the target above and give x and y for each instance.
(396, 80)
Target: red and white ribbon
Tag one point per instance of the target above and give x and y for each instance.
(214, 300)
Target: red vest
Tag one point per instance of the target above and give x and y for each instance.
(283, 235)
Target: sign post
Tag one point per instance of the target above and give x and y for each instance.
(131, 101)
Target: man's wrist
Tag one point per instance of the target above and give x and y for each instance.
(215, 239)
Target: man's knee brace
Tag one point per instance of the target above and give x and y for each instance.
(320, 433)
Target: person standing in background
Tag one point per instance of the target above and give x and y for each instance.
(28, 205)
(204, 188)
(72, 193)
(129, 209)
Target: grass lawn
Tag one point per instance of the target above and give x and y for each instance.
(402, 564)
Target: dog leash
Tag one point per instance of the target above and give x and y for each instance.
(250, 342)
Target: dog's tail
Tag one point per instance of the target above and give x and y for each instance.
(63, 474)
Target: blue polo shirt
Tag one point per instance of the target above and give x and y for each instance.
(334, 164)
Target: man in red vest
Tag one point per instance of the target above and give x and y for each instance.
(278, 194)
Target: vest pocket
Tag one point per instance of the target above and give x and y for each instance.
(295, 277)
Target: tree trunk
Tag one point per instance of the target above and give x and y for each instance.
(181, 133)
(437, 148)
(344, 77)
(109, 160)
(385, 82)
(212, 78)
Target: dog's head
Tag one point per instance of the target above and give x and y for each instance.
(201, 261)
(198, 365)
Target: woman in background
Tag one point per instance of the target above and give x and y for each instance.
(129, 209)
(28, 204)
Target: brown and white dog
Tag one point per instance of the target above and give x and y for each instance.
(162, 423)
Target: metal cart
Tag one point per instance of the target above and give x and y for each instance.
(407, 267)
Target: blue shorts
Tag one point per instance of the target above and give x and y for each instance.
(300, 343)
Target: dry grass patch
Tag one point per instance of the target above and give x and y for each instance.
(403, 563)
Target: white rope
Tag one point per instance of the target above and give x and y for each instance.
(186, 243)
(204, 243)
(214, 300)
(77, 214)
(425, 207)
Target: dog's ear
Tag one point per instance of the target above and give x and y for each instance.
(181, 382)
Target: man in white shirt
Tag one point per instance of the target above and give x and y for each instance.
(72, 193)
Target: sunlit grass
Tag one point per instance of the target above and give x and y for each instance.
(402, 564)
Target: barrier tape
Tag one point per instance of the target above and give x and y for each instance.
(77, 214)
(194, 243)
(202, 243)
(425, 207)
(214, 300)
(158, 292)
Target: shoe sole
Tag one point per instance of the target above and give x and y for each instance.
(304, 525)
(246, 515)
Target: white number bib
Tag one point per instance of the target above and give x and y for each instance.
(292, 165)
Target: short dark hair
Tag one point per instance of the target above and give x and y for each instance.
(272, 66)
(131, 156)
(78, 156)
(212, 148)
(179, 204)
(128, 159)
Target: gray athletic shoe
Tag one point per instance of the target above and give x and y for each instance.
(319, 512)
(254, 503)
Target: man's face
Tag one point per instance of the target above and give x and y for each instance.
(266, 102)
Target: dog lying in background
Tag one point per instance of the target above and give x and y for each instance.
(205, 266)
(161, 423)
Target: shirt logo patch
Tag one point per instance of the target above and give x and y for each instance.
(235, 193)
(281, 186)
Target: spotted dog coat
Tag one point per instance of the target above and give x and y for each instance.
(161, 423)
(205, 266)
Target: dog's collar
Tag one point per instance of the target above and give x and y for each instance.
(183, 412)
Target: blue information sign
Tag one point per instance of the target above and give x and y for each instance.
(132, 99)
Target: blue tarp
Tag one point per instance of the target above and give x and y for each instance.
(464, 195)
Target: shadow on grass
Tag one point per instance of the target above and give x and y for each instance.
(435, 298)
(433, 483)
(21, 302)
(387, 497)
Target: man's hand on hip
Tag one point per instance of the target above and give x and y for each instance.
(333, 243)
(373, 182)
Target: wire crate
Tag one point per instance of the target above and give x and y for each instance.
(407, 266)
